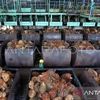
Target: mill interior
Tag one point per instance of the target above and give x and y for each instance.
(49, 49)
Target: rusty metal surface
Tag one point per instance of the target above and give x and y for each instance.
(52, 36)
(32, 37)
(73, 37)
(56, 57)
(7, 37)
(87, 58)
(19, 58)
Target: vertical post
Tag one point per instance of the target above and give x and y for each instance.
(21, 18)
(36, 18)
(60, 18)
(46, 5)
(19, 4)
(54, 5)
(14, 18)
(7, 5)
(50, 18)
(14, 4)
(5, 18)
(41, 5)
(64, 6)
(35, 5)
(68, 18)
(84, 6)
(31, 5)
(30, 17)
(2, 5)
(49, 5)
(45, 18)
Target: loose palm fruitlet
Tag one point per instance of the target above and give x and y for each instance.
(20, 53)
(51, 30)
(72, 35)
(7, 30)
(29, 32)
(95, 74)
(50, 86)
(6, 81)
(50, 44)
(8, 33)
(85, 45)
(86, 54)
(19, 44)
(71, 31)
(52, 34)
(56, 53)
(91, 31)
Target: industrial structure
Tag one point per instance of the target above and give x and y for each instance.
(48, 13)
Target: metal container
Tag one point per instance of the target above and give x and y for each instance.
(2, 49)
(32, 37)
(75, 80)
(87, 80)
(52, 36)
(20, 58)
(86, 58)
(56, 57)
(24, 79)
(8, 37)
(73, 37)
(93, 37)
(13, 89)
(89, 84)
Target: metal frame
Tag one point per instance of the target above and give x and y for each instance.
(47, 9)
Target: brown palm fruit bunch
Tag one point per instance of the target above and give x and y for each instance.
(67, 77)
(91, 31)
(50, 44)
(29, 32)
(85, 45)
(71, 31)
(19, 44)
(3, 98)
(98, 31)
(98, 42)
(95, 75)
(8, 30)
(51, 30)
(6, 80)
(50, 86)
